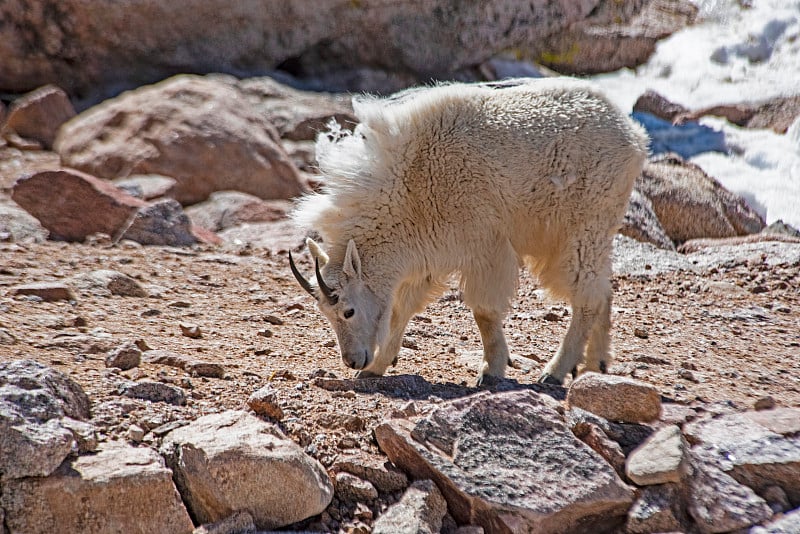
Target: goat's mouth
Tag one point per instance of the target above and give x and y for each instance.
(358, 361)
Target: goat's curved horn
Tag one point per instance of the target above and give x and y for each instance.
(302, 281)
(328, 292)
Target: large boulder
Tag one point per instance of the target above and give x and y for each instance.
(475, 448)
(203, 132)
(118, 489)
(690, 204)
(34, 400)
(363, 45)
(235, 461)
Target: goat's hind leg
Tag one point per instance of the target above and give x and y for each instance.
(591, 308)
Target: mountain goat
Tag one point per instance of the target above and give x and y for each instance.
(474, 179)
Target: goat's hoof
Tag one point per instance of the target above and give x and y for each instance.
(487, 380)
(575, 372)
(603, 367)
(547, 378)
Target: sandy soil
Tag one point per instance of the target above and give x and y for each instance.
(728, 335)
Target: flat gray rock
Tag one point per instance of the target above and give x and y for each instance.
(475, 449)
(749, 452)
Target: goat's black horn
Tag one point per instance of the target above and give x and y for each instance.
(302, 281)
(328, 292)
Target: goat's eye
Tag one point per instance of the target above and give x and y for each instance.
(349, 313)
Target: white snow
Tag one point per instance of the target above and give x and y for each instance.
(733, 54)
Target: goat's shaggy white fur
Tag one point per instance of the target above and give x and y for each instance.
(474, 179)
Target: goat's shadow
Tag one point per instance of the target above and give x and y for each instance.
(414, 387)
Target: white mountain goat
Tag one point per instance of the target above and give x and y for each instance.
(474, 179)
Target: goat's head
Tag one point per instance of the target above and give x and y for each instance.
(342, 296)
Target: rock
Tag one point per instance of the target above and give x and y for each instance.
(191, 330)
(108, 282)
(660, 459)
(739, 508)
(146, 186)
(641, 223)
(120, 485)
(474, 449)
(781, 228)
(47, 291)
(167, 128)
(615, 35)
(154, 392)
(298, 115)
(383, 475)
(34, 402)
(18, 225)
(362, 47)
(655, 511)
(745, 447)
(350, 488)
(788, 524)
(777, 114)
(136, 433)
(420, 511)
(165, 357)
(265, 403)
(234, 461)
(627, 435)
(594, 437)
(161, 223)
(690, 204)
(783, 421)
(125, 356)
(84, 434)
(54, 197)
(206, 369)
(696, 245)
(657, 105)
(225, 209)
(277, 237)
(615, 398)
(238, 523)
(39, 114)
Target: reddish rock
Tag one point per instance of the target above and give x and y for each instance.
(656, 104)
(47, 291)
(225, 209)
(39, 114)
(616, 398)
(200, 131)
(73, 205)
(691, 204)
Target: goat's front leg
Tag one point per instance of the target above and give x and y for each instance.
(495, 349)
(410, 299)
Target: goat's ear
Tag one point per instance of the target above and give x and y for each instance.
(352, 263)
(316, 251)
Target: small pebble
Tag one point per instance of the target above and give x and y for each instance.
(191, 330)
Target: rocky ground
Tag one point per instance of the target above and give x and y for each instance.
(724, 331)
